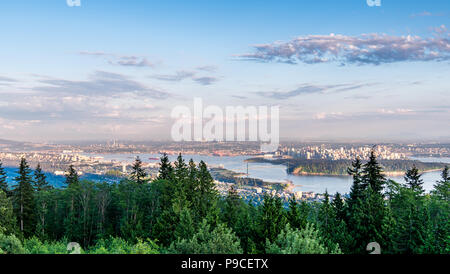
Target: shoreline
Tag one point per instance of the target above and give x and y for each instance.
(387, 173)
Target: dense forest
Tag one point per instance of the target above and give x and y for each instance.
(339, 167)
(181, 212)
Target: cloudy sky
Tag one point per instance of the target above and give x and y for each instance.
(338, 70)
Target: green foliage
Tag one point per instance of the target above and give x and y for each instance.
(7, 217)
(120, 246)
(183, 213)
(271, 220)
(35, 246)
(437, 232)
(3, 183)
(220, 240)
(294, 241)
(138, 173)
(442, 187)
(11, 245)
(357, 186)
(165, 168)
(328, 223)
(71, 177)
(294, 216)
(23, 199)
(372, 174)
(413, 180)
(40, 181)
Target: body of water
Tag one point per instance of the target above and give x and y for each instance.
(55, 180)
(277, 173)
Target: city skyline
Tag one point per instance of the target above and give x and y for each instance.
(105, 70)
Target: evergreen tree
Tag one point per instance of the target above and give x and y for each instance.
(165, 168)
(305, 209)
(410, 214)
(185, 227)
(71, 177)
(232, 206)
(271, 220)
(7, 218)
(372, 174)
(357, 187)
(442, 187)
(3, 182)
(297, 213)
(181, 170)
(327, 222)
(339, 207)
(413, 180)
(138, 173)
(192, 185)
(71, 220)
(208, 195)
(40, 180)
(437, 234)
(294, 217)
(23, 197)
(42, 210)
(369, 218)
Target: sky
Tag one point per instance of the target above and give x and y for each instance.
(338, 70)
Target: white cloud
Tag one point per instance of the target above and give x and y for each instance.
(364, 49)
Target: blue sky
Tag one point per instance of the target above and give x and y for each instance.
(114, 69)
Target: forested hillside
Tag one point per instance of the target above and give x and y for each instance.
(181, 212)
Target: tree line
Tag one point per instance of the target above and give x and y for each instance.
(182, 212)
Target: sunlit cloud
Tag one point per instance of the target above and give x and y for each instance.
(373, 49)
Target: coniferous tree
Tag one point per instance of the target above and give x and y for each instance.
(3, 182)
(71, 177)
(413, 179)
(192, 185)
(305, 209)
(437, 238)
(372, 174)
(357, 187)
(293, 214)
(185, 226)
(23, 197)
(207, 193)
(181, 170)
(409, 211)
(40, 180)
(7, 220)
(341, 235)
(271, 220)
(232, 205)
(138, 173)
(442, 187)
(327, 222)
(165, 168)
(71, 220)
(369, 218)
(339, 207)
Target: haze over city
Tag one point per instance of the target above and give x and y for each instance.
(105, 70)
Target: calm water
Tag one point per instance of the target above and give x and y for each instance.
(277, 173)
